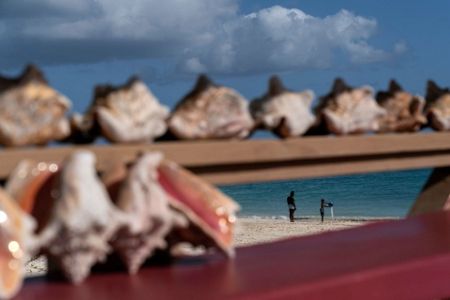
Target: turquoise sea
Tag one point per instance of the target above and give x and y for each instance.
(387, 194)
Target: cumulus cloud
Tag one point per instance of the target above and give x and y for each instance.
(197, 35)
(278, 38)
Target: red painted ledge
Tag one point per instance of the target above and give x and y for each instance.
(404, 259)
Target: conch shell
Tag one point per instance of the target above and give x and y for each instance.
(15, 236)
(166, 206)
(285, 112)
(438, 106)
(137, 193)
(404, 110)
(31, 112)
(124, 114)
(211, 214)
(347, 110)
(157, 204)
(210, 111)
(74, 214)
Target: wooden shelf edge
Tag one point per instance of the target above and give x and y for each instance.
(224, 162)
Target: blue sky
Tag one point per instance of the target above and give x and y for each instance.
(239, 43)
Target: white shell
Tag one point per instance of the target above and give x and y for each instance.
(32, 113)
(439, 113)
(149, 217)
(132, 114)
(15, 245)
(211, 112)
(83, 219)
(195, 198)
(399, 116)
(355, 111)
(288, 113)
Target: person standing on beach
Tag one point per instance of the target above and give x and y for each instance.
(291, 205)
(324, 204)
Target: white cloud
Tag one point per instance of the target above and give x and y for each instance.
(400, 47)
(278, 38)
(194, 65)
(198, 35)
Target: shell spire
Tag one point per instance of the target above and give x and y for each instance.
(276, 86)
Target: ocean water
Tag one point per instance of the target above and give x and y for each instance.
(379, 195)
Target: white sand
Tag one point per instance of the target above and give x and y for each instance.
(252, 231)
(255, 231)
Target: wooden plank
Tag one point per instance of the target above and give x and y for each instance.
(435, 194)
(298, 158)
(404, 259)
(301, 169)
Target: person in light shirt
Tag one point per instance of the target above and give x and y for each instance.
(324, 204)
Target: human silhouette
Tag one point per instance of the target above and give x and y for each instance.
(324, 204)
(291, 206)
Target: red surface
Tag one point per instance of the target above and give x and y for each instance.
(406, 259)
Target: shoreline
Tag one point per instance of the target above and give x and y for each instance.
(315, 217)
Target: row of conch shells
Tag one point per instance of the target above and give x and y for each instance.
(78, 219)
(347, 110)
(32, 113)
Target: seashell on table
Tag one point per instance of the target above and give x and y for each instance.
(149, 204)
(211, 214)
(16, 245)
(136, 192)
(167, 205)
(75, 217)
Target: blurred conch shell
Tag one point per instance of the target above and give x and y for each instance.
(347, 110)
(15, 245)
(31, 112)
(211, 214)
(166, 206)
(211, 111)
(137, 193)
(285, 112)
(404, 110)
(122, 114)
(438, 106)
(75, 217)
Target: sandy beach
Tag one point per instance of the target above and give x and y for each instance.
(253, 231)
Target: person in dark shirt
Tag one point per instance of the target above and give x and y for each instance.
(291, 205)
(324, 204)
